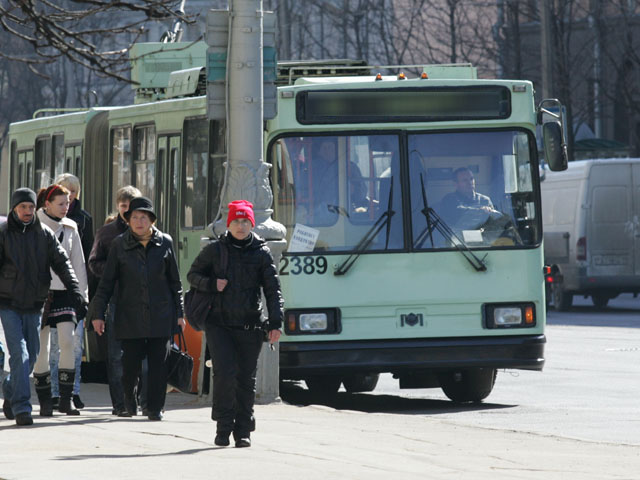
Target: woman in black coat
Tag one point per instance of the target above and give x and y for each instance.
(142, 262)
(234, 270)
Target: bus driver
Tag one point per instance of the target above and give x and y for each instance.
(465, 198)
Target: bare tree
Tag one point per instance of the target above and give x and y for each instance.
(619, 81)
(51, 30)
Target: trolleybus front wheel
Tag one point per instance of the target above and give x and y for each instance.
(473, 385)
(323, 384)
(360, 382)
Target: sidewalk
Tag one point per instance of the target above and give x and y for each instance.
(291, 442)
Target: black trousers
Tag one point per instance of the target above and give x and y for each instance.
(156, 351)
(235, 359)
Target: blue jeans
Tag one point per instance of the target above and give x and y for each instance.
(22, 332)
(54, 357)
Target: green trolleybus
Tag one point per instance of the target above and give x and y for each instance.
(412, 209)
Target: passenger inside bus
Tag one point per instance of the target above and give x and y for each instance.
(325, 183)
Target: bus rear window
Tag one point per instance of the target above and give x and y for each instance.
(423, 104)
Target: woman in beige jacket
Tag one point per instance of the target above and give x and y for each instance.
(53, 204)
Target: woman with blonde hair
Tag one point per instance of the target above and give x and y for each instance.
(53, 204)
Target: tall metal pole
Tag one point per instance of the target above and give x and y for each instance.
(248, 175)
(545, 49)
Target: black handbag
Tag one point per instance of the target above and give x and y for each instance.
(197, 304)
(179, 366)
(196, 308)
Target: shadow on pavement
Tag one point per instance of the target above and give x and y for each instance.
(190, 451)
(371, 403)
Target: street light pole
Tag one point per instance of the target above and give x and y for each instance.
(247, 176)
(545, 49)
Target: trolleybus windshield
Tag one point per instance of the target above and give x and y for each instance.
(477, 183)
(332, 191)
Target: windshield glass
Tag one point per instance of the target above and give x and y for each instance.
(332, 191)
(479, 184)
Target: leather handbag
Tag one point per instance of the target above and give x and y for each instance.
(179, 366)
(197, 304)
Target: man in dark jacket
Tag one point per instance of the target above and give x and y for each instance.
(233, 269)
(97, 261)
(28, 250)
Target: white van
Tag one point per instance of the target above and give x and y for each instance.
(590, 214)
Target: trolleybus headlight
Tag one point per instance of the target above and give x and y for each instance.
(521, 315)
(312, 321)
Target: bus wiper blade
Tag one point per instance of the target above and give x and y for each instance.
(435, 221)
(363, 244)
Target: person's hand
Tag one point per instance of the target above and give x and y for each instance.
(221, 284)
(182, 323)
(274, 336)
(98, 326)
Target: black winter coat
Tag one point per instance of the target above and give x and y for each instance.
(149, 297)
(27, 253)
(248, 269)
(102, 243)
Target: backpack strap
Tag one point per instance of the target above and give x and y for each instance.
(224, 258)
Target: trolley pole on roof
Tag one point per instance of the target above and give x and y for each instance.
(242, 92)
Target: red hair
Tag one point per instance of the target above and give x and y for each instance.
(49, 193)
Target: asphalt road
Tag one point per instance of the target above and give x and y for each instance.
(588, 390)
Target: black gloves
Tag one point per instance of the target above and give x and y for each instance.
(80, 305)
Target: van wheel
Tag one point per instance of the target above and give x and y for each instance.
(323, 384)
(561, 300)
(472, 385)
(360, 382)
(600, 301)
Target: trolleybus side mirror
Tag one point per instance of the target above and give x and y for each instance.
(555, 150)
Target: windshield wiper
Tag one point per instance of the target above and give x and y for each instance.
(434, 221)
(363, 244)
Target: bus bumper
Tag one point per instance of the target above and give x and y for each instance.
(300, 359)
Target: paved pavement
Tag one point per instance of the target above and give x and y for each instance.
(293, 442)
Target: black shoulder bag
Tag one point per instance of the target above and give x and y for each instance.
(197, 304)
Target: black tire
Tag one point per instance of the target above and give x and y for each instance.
(600, 301)
(323, 384)
(463, 386)
(562, 300)
(360, 382)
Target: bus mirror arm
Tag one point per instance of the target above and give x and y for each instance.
(363, 244)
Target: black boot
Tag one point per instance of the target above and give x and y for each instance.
(65, 380)
(43, 390)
